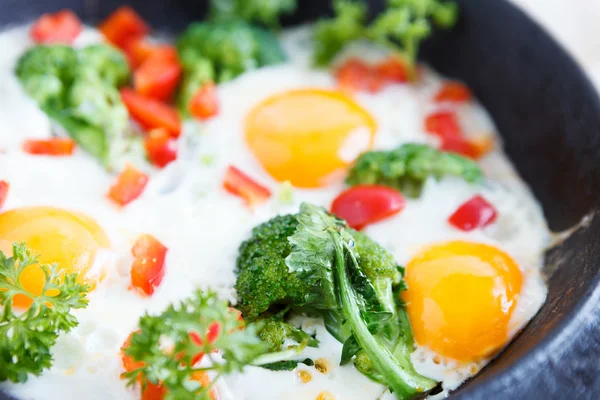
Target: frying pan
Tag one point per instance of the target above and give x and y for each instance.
(548, 114)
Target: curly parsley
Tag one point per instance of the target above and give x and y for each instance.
(26, 338)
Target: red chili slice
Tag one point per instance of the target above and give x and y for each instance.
(365, 204)
(475, 213)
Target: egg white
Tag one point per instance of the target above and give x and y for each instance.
(185, 207)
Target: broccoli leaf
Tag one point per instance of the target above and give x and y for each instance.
(349, 350)
(266, 12)
(407, 167)
(26, 338)
(401, 26)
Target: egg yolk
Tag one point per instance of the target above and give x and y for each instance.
(308, 136)
(460, 298)
(69, 239)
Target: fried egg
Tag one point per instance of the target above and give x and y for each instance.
(286, 126)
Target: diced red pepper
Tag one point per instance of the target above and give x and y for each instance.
(443, 124)
(137, 51)
(161, 148)
(150, 113)
(49, 147)
(366, 204)
(4, 186)
(238, 183)
(205, 103)
(123, 25)
(152, 391)
(459, 145)
(392, 69)
(158, 76)
(129, 185)
(61, 27)
(454, 92)
(475, 213)
(356, 75)
(148, 268)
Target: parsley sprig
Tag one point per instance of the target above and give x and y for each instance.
(26, 338)
(168, 346)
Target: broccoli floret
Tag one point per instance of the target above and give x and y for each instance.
(263, 277)
(78, 89)
(197, 72)
(105, 61)
(265, 12)
(407, 167)
(46, 73)
(402, 26)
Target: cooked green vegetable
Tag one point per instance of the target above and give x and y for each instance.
(26, 338)
(401, 26)
(220, 51)
(174, 367)
(78, 89)
(407, 167)
(265, 12)
(340, 275)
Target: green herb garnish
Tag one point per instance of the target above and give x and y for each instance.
(26, 338)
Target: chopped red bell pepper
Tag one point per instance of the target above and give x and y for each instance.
(49, 147)
(148, 268)
(459, 145)
(356, 75)
(150, 113)
(161, 148)
(152, 391)
(129, 185)
(475, 213)
(238, 183)
(453, 92)
(205, 103)
(443, 124)
(123, 25)
(4, 186)
(366, 204)
(137, 51)
(393, 69)
(60, 27)
(158, 76)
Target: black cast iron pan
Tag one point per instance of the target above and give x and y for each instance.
(549, 116)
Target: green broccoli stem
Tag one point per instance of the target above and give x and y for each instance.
(283, 355)
(405, 384)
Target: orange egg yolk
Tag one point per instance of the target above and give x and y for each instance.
(460, 298)
(69, 239)
(308, 136)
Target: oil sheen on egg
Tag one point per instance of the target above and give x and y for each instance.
(186, 208)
